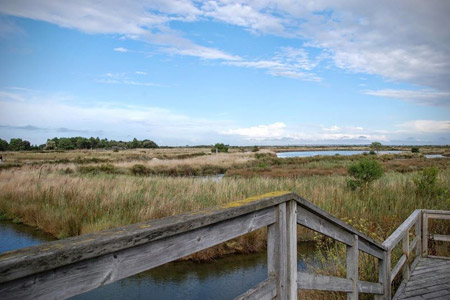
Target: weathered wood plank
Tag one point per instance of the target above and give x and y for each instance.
(317, 223)
(20, 263)
(266, 290)
(398, 234)
(79, 277)
(308, 281)
(325, 215)
(370, 287)
(438, 216)
(291, 223)
(406, 252)
(398, 267)
(277, 251)
(352, 268)
(414, 243)
(440, 237)
(424, 234)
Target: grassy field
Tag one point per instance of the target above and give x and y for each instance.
(78, 192)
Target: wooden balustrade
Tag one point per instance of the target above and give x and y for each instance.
(65, 268)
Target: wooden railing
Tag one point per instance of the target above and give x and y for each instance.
(416, 248)
(62, 269)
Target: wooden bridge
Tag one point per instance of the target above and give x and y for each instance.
(62, 269)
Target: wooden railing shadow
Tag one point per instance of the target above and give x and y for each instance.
(65, 268)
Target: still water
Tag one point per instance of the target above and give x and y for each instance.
(224, 278)
(329, 153)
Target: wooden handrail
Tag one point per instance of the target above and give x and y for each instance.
(68, 267)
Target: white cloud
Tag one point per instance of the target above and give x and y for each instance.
(425, 97)
(140, 73)
(261, 132)
(243, 15)
(399, 40)
(288, 62)
(52, 112)
(121, 49)
(124, 78)
(427, 126)
(297, 134)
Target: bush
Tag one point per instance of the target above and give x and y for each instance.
(364, 172)
(140, 170)
(104, 168)
(426, 181)
(255, 149)
(220, 148)
(415, 150)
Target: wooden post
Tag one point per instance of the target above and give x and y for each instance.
(405, 248)
(291, 222)
(419, 235)
(381, 277)
(387, 271)
(352, 268)
(277, 250)
(425, 235)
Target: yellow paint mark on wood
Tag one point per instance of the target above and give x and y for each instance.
(255, 199)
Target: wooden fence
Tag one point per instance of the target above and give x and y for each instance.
(62, 269)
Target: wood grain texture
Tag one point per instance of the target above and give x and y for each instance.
(82, 276)
(291, 231)
(352, 267)
(266, 290)
(400, 232)
(20, 263)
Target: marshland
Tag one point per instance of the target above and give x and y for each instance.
(70, 193)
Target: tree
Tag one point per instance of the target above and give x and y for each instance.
(364, 172)
(66, 144)
(3, 145)
(220, 147)
(50, 145)
(19, 145)
(149, 144)
(376, 146)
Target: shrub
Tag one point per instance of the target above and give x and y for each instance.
(415, 150)
(220, 148)
(140, 170)
(426, 181)
(364, 172)
(255, 149)
(104, 168)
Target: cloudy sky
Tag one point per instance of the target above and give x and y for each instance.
(263, 72)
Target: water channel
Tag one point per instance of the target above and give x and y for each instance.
(330, 153)
(224, 278)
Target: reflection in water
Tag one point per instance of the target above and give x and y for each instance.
(329, 153)
(16, 236)
(434, 156)
(224, 278)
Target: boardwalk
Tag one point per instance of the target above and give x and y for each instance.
(65, 268)
(429, 280)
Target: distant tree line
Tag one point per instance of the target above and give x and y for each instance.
(73, 143)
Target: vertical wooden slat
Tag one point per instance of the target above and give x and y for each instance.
(291, 221)
(352, 268)
(385, 275)
(405, 249)
(277, 250)
(425, 235)
(381, 277)
(419, 234)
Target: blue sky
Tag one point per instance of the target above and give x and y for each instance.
(241, 72)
